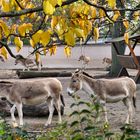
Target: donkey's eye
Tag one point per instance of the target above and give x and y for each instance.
(74, 81)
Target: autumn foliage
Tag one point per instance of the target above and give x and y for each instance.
(47, 23)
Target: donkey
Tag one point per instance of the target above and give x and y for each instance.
(108, 61)
(106, 90)
(85, 59)
(27, 62)
(32, 93)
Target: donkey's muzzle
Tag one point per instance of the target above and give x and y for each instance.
(69, 93)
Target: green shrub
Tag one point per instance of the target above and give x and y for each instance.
(82, 125)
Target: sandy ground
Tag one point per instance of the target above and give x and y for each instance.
(116, 112)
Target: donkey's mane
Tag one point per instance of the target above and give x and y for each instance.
(87, 74)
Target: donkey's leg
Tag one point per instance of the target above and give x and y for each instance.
(128, 104)
(20, 113)
(103, 104)
(58, 108)
(50, 102)
(12, 111)
(105, 113)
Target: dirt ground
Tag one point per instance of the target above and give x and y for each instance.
(116, 112)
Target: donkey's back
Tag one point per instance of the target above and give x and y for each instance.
(35, 92)
(116, 89)
(119, 84)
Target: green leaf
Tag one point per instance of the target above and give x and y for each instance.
(78, 137)
(81, 103)
(76, 131)
(108, 134)
(83, 119)
(74, 113)
(85, 111)
(89, 128)
(73, 104)
(74, 123)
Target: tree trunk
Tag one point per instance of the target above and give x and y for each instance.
(117, 31)
(34, 74)
(35, 111)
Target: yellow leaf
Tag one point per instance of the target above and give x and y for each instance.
(53, 2)
(93, 12)
(3, 52)
(0, 33)
(5, 28)
(36, 37)
(67, 51)
(24, 28)
(88, 27)
(46, 18)
(48, 7)
(59, 2)
(5, 6)
(94, 1)
(52, 50)
(30, 5)
(13, 29)
(116, 15)
(37, 57)
(86, 9)
(126, 38)
(79, 32)
(32, 43)
(38, 18)
(23, 17)
(45, 38)
(69, 38)
(112, 3)
(126, 24)
(12, 3)
(96, 33)
(54, 22)
(18, 43)
(44, 50)
(136, 15)
(101, 13)
(33, 15)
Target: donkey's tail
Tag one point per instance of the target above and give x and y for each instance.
(134, 101)
(62, 99)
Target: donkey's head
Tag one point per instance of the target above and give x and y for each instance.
(75, 82)
(5, 88)
(18, 59)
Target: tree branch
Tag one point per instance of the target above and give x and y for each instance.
(100, 7)
(31, 10)
(19, 4)
(7, 48)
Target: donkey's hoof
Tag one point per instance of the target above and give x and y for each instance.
(14, 124)
(47, 124)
